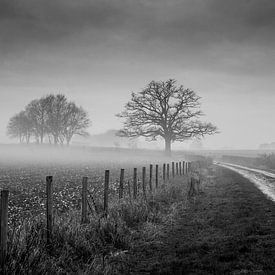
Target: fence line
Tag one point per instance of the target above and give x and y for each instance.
(157, 176)
(106, 192)
(178, 168)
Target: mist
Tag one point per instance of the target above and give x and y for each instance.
(98, 52)
(137, 136)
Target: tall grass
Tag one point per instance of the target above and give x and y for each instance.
(98, 247)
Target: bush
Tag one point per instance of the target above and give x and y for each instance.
(267, 160)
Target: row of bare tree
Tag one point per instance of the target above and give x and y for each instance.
(161, 110)
(52, 117)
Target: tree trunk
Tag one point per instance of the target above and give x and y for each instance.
(167, 146)
(55, 140)
(68, 139)
(28, 138)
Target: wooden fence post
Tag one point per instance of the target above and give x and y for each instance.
(168, 171)
(106, 192)
(180, 167)
(4, 226)
(151, 177)
(144, 181)
(121, 183)
(163, 172)
(84, 209)
(135, 183)
(177, 168)
(49, 208)
(183, 168)
(173, 169)
(157, 175)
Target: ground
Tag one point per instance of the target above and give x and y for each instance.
(227, 229)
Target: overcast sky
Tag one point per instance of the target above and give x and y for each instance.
(97, 52)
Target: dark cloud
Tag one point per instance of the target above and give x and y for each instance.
(232, 19)
(206, 33)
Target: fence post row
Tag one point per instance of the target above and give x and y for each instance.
(163, 171)
(151, 177)
(106, 192)
(157, 175)
(4, 226)
(183, 168)
(135, 183)
(121, 184)
(173, 169)
(84, 208)
(49, 207)
(144, 181)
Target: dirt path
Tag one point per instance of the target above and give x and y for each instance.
(264, 180)
(229, 229)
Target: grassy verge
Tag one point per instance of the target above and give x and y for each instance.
(228, 229)
(101, 246)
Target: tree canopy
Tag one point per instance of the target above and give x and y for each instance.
(163, 109)
(52, 116)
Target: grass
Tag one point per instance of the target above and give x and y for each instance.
(98, 247)
(227, 228)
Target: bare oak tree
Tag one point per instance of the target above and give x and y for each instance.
(164, 110)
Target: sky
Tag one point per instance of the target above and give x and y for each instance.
(97, 52)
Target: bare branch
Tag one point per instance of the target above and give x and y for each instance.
(164, 110)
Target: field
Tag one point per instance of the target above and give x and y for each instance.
(226, 228)
(23, 173)
(25, 169)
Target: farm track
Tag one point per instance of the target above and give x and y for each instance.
(229, 229)
(264, 180)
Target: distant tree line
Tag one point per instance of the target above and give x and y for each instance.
(162, 109)
(52, 119)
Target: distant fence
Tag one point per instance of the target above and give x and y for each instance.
(148, 185)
